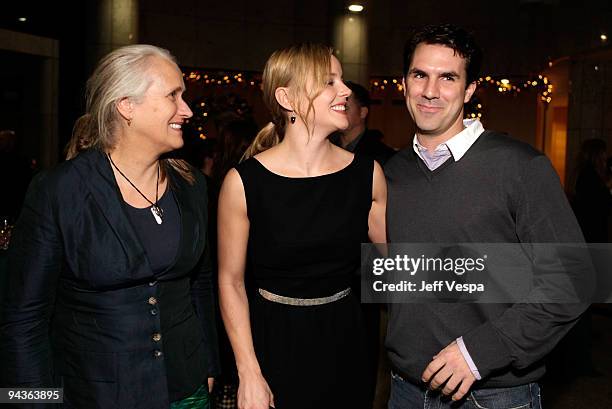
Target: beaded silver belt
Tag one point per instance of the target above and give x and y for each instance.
(281, 299)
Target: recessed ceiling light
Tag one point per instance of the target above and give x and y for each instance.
(603, 37)
(355, 8)
(22, 19)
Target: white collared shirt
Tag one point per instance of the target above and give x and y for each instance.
(456, 146)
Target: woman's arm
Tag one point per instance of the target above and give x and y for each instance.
(376, 220)
(233, 234)
(35, 260)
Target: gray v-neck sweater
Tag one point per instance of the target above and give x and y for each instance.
(501, 191)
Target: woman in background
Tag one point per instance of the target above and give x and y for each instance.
(109, 293)
(592, 198)
(591, 201)
(297, 210)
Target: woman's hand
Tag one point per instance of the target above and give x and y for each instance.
(254, 392)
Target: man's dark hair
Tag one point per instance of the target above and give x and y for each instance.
(360, 93)
(453, 37)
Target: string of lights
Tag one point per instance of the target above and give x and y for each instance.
(209, 107)
(221, 77)
(237, 79)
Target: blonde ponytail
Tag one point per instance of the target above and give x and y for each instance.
(265, 139)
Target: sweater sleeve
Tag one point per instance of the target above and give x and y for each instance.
(527, 331)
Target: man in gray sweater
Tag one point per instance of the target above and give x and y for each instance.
(458, 183)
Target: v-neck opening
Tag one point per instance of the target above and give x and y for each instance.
(431, 174)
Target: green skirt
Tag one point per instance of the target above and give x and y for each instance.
(199, 400)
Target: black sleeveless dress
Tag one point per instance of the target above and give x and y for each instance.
(304, 242)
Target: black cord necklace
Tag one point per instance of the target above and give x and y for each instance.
(155, 209)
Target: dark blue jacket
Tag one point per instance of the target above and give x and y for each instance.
(83, 309)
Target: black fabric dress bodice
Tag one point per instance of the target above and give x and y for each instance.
(303, 231)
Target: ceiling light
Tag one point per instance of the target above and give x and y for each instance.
(603, 37)
(22, 19)
(355, 8)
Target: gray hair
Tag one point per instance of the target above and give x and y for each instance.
(123, 73)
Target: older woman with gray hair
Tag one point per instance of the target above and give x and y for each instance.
(109, 293)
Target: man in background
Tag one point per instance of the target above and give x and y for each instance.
(357, 138)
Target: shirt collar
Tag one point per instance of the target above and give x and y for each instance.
(458, 144)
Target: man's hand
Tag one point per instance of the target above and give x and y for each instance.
(450, 369)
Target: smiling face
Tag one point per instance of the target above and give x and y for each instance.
(330, 105)
(435, 91)
(158, 118)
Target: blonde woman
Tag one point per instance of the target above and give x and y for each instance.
(296, 211)
(109, 293)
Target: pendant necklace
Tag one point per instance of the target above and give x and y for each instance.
(156, 211)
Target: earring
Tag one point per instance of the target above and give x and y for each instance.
(129, 122)
(292, 119)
